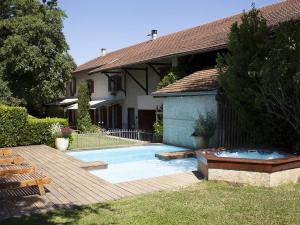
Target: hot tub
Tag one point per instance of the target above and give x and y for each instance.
(259, 167)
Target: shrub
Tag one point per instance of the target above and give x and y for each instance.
(84, 122)
(158, 128)
(38, 131)
(18, 128)
(12, 121)
(205, 126)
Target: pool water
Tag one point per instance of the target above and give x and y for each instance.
(259, 154)
(135, 162)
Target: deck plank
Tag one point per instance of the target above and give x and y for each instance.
(74, 186)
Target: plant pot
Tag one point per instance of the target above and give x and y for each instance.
(62, 144)
(200, 142)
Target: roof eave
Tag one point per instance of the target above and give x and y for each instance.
(213, 48)
(187, 93)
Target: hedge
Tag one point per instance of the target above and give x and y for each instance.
(37, 131)
(18, 128)
(12, 122)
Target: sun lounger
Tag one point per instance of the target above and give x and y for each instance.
(10, 169)
(5, 151)
(24, 180)
(11, 159)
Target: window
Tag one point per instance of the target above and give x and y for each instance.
(72, 87)
(114, 83)
(90, 84)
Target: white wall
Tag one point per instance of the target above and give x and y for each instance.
(100, 84)
(180, 114)
(133, 91)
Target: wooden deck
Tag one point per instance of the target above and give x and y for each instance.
(73, 186)
(176, 155)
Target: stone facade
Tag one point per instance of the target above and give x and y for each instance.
(255, 178)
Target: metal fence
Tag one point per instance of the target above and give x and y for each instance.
(135, 135)
(109, 138)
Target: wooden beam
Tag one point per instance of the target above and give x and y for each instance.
(136, 81)
(155, 70)
(131, 68)
(109, 78)
(160, 64)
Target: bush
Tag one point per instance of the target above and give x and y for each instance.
(12, 121)
(205, 126)
(158, 128)
(38, 131)
(18, 128)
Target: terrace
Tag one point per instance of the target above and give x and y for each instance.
(74, 186)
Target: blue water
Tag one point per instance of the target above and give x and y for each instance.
(136, 162)
(259, 154)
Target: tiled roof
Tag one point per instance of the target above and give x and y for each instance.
(201, 38)
(203, 80)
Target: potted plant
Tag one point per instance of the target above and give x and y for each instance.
(61, 135)
(204, 129)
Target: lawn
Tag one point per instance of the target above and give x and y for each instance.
(98, 140)
(204, 203)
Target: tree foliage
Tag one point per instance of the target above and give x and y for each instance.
(84, 122)
(170, 78)
(34, 59)
(260, 75)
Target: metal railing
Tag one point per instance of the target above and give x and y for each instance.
(135, 135)
(110, 138)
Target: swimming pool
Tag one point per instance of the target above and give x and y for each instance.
(135, 162)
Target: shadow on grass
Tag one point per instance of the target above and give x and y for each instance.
(63, 214)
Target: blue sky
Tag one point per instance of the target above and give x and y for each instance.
(113, 24)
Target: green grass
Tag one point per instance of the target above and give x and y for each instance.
(98, 141)
(204, 203)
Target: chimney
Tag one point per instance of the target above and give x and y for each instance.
(153, 34)
(103, 51)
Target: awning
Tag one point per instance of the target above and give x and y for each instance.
(94, 104)
(65, 102)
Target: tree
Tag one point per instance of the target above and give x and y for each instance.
(6, 97)
(84, 122)
(260, 76)
(34, 59)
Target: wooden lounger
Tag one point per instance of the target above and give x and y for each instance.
(24, 180)
(5, 151)
(10, 169)
(11, 159)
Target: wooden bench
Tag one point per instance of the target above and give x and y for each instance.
(24, 180)
(11, 159)
(5, 151)
(10, 169)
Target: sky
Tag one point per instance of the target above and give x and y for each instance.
(113, 24)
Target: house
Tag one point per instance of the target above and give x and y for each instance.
(121, 82)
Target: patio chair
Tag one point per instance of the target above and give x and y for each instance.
(17, 181)
(5, 151)
(11, 169)
(11, 159)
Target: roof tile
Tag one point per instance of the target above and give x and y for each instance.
(202, 80)
(200, 38)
